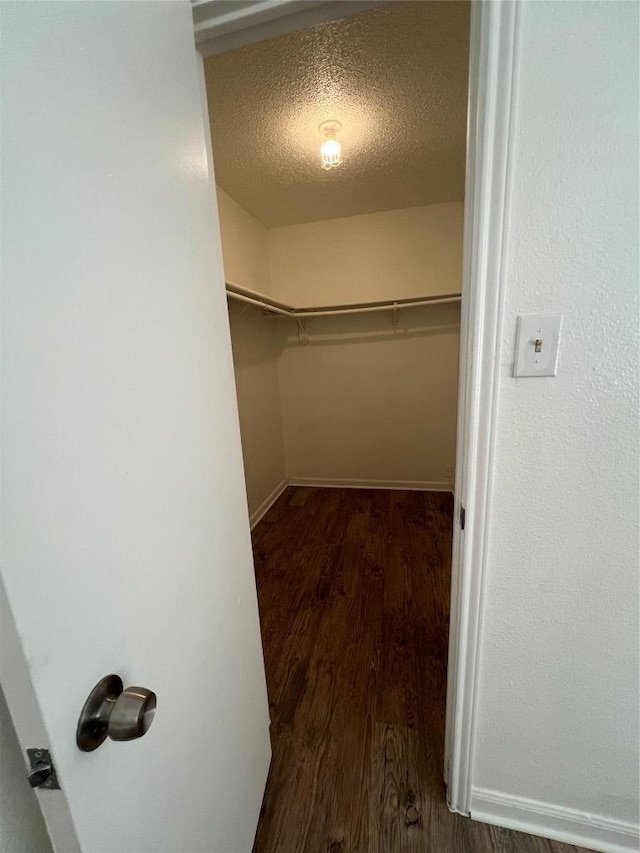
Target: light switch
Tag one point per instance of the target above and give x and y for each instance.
(537, 345)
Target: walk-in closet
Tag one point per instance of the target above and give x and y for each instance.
(339, 154)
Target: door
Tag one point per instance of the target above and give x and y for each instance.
(125, 538)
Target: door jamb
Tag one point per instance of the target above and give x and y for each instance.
(493, 48)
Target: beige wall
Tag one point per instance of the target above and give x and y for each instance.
(255, 353)
(361, 402)
(416, 251)
(255, 360)
(244, 243)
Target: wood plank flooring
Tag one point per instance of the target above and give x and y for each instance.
(353, 588)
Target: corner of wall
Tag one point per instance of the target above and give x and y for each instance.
(244, 245)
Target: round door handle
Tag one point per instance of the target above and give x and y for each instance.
(111, 711)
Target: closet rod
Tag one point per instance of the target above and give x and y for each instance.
(382, 306)
(272, 309)
(281, 309)
(259, 298)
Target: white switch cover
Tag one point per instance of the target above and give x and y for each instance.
(537, 345)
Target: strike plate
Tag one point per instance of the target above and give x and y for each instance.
(42, 756)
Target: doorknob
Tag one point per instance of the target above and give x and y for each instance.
(114, 712)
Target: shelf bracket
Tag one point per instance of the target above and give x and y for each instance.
(303, 337)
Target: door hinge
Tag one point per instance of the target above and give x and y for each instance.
(42, 773)
(463, 516)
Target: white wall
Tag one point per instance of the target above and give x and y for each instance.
(256, 347)
(22, 828)
(416, 251)
(558, 713)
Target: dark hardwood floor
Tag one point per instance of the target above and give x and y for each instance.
(353, 587)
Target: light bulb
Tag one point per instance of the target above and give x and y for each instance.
(331, 151)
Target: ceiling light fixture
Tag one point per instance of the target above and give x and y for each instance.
(330, 150)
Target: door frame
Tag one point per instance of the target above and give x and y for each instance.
(493, 44)
(492, 80)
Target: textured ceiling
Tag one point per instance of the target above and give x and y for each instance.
(396, 77)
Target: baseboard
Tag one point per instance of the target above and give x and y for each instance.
(408, 485)
(259, 513)
(560, 824)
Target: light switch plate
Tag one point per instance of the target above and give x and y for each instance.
(537, 345)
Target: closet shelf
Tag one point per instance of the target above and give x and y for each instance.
(281, 309)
